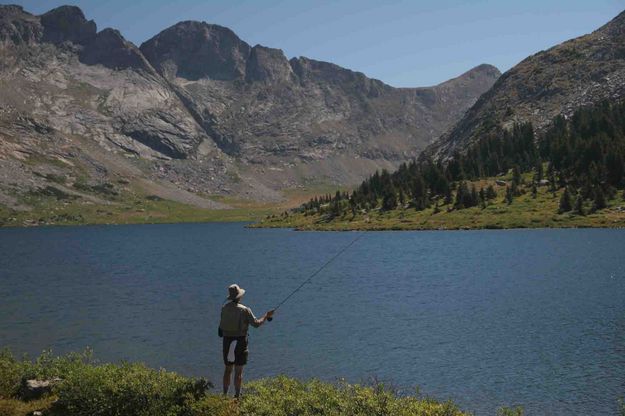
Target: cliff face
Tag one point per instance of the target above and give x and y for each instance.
(576, 73)
(196, 110)
(262, 108)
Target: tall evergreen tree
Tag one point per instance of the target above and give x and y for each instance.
(565, 201)
(509, 195)
(538, 171)
(389, 201)
(448, 197)
(491, 193)
(599, 202)
(579, 205)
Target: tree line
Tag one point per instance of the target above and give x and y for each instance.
(584, 154)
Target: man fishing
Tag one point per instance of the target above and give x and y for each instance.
(235, 321)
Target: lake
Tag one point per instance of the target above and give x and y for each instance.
(485, 318)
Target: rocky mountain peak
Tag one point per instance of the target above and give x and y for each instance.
(67, 24)
(109, 48)
(268, 64)
(310, 70)
(195, 50)
(615, 27)
(556, 81)
(198, 107)
(7, 10)
(483, 69)
(17, 26)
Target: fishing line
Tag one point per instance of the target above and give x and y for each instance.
(297, 289)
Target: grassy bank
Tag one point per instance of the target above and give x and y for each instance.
(115, 204)
(125, 209)
(525, 211)
(90, 388)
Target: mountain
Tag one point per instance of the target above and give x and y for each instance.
(195, 112)
(577, 73)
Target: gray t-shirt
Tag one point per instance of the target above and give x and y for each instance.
(236, 319)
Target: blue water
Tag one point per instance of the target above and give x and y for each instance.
(486, 318)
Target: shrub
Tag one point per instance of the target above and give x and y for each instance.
(214, 405)
(10, 375)
(510, 411)
(89, 388)
(282, 396)
(127, 389)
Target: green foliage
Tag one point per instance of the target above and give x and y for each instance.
(510, 411)
(282, 396)
(491, 193)
(565, 202)
(599, 202)
(579, 205)
(585, 152)
(127, 389)
(214, 405)
(89, 388)
(10, 374)
(14, 407)
(46, 366)
(509, 195)
(466, 198)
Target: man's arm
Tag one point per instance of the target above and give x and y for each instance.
(258, 322)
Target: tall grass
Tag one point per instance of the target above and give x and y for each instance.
(95, 389)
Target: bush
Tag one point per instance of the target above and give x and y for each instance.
(282, 396)
(46, 367)
(510, 411)
(10, 375)
(127, 389)
(89, 388)
(214, 405)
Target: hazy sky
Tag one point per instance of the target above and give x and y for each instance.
(403, 43)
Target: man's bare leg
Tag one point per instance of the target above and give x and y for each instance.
(238, 380)
(227, 376)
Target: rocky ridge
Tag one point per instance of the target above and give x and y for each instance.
(573, 74)
(196, 111)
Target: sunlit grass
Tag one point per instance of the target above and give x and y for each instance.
(524, 212)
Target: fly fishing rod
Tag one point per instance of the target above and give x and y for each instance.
(337, 255)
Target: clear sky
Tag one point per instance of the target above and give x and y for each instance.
(403, 43)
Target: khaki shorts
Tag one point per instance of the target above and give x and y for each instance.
(240, 351)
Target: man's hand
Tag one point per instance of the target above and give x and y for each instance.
(270, 314)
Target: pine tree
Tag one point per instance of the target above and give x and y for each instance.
(402, 198)
(491, 193)
(461, 195)
(509, 195)
(389, 201)
(534, 190)
(538, 171)
(449, 198)
(437, 209)
(599, 202)
(353, 206)
(579, 205)
(475, 200)
(516, 176)
(482, 196)
(623, 194)
(565, 202)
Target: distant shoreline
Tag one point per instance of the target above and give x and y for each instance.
(374, 229)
